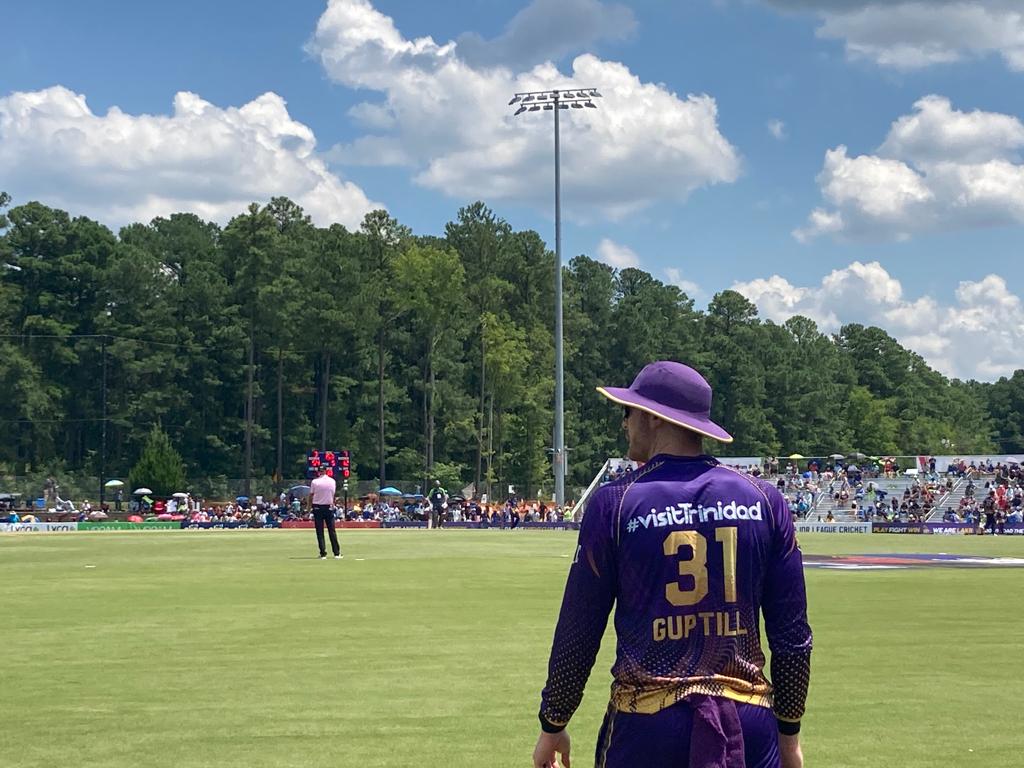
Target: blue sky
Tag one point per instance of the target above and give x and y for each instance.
(918, 221)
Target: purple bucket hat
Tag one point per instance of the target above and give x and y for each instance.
(673, 392)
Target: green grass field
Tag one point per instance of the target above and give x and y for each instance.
(185, 649)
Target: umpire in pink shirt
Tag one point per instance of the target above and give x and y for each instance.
(322, 492)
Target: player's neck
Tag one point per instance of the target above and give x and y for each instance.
(676, 443)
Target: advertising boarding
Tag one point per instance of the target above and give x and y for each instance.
(807, 527)
(37, 527)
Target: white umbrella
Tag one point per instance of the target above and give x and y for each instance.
(141, 492)
(113, 484)
(179, 495)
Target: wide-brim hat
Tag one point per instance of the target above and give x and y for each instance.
(673, 392)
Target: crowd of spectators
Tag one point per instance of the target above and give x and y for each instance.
(993, 496)
(510, 514)
(616, 469)
(914, 505)
(273, 511)
(375, 509)
(992, 502)
(231, 515)
(867, 491)
(870, 496)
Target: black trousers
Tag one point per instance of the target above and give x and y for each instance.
(322, 516)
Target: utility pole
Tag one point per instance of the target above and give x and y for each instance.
(103, 429)
(556, 101)
(248, 419)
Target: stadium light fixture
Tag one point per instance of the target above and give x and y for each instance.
(558, 100)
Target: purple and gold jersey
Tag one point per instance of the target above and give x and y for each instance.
(690, 553)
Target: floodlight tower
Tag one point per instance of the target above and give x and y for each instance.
(555, 101)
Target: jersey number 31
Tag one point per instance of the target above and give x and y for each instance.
(696, 567)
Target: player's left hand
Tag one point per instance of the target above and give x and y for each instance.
(548, 746)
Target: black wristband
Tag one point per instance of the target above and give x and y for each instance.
(547, 726)
(788, 728)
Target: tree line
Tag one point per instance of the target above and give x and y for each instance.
(426, 356)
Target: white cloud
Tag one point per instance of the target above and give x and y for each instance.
(372, 115)
(120, 168)
(977, 336)
(820, 222)
(937, 170)
(911, 34)
(690, 288)
(370, 150)
(937, 133)
(615, 255)
(452, 122)
(546, 30)
(777, 129)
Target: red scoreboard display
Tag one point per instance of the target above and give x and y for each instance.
(337, 463)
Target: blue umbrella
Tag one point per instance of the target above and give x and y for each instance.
(390, 491)
(241, 498)
(299, 491)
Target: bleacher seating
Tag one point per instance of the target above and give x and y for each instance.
(951, 499)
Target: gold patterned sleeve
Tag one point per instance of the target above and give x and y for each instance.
(784, 604)
(791, 676)
(588, 599)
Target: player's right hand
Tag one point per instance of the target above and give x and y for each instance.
(790, 752)
(549, 745)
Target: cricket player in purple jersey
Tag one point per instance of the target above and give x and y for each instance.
(691, 554)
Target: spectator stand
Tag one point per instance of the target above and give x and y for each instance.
(951, 498)
(965, 501)
(843, 501)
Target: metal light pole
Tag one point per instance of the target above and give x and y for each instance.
(556, 101)
(103, 433)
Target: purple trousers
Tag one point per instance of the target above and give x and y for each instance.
(662, 740)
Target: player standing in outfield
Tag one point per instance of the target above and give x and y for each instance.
(322, 492)
(690, 553)
(438, 504)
